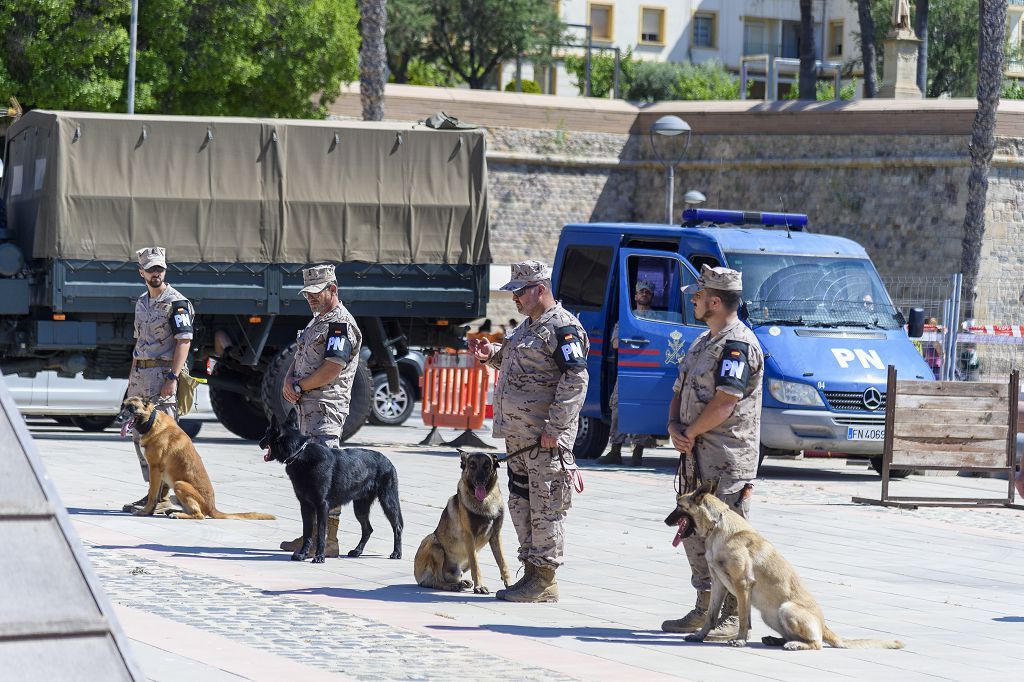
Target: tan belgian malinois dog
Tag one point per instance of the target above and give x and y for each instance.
(472, 518)
(173, 461)
(746, 565)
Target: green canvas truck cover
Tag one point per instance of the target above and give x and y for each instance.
(224, 190)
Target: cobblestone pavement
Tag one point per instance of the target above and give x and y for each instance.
(294, 628)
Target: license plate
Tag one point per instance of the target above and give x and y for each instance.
(865, 433)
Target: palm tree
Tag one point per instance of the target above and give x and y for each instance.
(921, 28)
(867, 47)
(808, 69)
(373, 62)
(992, 31)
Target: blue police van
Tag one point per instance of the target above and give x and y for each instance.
(826, 324)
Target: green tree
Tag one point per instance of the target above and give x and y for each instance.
(866, 38)
(210, 57)
(409, 26)
(808, 71)
(602, 71)
(474, 36)
(373, 59)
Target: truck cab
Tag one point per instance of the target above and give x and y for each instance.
(816, 303)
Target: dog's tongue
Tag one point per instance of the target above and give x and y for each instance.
(480, 492)
(267, 457)
(126, 426)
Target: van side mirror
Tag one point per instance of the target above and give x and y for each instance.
(915, 326)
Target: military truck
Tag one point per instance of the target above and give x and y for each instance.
(242, 206)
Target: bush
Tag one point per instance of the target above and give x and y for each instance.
(707, 81)
(654, 82)
(1013, 89)
(825, 92)
(528, 86)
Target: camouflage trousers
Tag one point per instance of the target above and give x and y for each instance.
(643, 440)
(322, 421)
(146, 383)
(700, 574)
(539, 498)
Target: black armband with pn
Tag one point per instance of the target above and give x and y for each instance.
(733, 370)
(338, 346)
(569, 352)
(181, 317)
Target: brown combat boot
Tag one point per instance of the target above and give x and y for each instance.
(614, 455)
(692, 621)
(728, 627)
(331, 551)
(528, 569)
(638, 455)
(538, 588)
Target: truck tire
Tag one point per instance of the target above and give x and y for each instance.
(591, 438)
(240, 414)
(93, 423)
(391, 409)
(876, 464)
(274, 403)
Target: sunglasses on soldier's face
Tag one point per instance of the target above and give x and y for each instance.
(155, 270)
(521, 290)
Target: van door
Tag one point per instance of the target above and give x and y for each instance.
(653, 337)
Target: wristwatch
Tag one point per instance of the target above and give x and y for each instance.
(171, 375)
(296, 388)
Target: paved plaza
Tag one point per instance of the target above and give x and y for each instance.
(217, 600)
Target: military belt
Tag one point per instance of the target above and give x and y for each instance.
(146, 364)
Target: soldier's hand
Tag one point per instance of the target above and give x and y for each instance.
(480, 347)
(547, 441)
(289, 395)
(679, 440)
(168, 389)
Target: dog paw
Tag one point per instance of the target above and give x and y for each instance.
(318, 559)
(354, 553)
(738, 642)
(465, 584)
(296, 556)
(694, 637)
(481, 589)
(395, 555)
(793, 646)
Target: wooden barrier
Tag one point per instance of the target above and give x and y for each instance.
(949, 425)
(454, 396)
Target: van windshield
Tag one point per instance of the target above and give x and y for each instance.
(814, 291)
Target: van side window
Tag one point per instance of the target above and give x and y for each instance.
(585, 275)
(654, 286)
(698, 261)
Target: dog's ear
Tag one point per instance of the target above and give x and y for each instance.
(495, 462)
(462, 458)
(705, 488)
(292, 421)
(274, 425)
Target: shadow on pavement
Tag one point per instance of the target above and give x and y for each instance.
(232, 553)
(592, 634)
(1009, 619)
(408, 592)
(84, 511)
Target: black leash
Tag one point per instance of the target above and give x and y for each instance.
(565, 457)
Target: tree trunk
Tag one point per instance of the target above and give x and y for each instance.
(867, 47)
(808, 70)
(992, 28)
(373, 62)
(921, 28)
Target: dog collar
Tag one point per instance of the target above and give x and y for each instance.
(144, 428)
(295, 454)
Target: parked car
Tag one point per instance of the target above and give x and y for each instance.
(392, 409)
(89, 404)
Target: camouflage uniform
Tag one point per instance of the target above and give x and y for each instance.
(534, 396)
(619, 438)
(729, 452)
(157, 330)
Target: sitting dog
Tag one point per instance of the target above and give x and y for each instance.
(472, 518)
(324, 478)
(746, 565)
(173, 461)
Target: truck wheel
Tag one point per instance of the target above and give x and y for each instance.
(876, 464)
(591, 438)
(274, 403)
(93, 424)
(240, 414)
(391, 409)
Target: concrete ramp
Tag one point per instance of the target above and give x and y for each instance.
(55, 622)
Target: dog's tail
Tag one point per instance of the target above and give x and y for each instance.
(838, 642)
(214, 514)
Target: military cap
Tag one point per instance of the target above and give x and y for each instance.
(151, 256)
(317, 278)
(722, 279)
(644, 284)
(527, 272)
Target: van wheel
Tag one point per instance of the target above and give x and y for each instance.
(93, 424)
(275, 404)
(240, 414)
(876, 464)
(591, 439)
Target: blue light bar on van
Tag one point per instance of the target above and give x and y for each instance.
(696, 216)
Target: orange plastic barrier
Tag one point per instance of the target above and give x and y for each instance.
(454, 391)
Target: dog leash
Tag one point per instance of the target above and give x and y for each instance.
(565, 457)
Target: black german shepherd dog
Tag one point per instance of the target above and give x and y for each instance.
(324, 478)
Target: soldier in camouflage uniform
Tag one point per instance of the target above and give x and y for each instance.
(542, 382)
(715, 422)
(163, 335)
(319, 381)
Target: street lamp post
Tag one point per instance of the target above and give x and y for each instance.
(669, 126)
(131, 56)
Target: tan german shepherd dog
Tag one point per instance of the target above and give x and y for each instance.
(472, 518)
(173, 461)
(746, 565)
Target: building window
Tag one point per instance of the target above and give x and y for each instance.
(704, 30)
(601, 18)
(652, 25)
(835, 39)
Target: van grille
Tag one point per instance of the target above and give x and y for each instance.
(870, 419)
(850, 400)
(836, 334)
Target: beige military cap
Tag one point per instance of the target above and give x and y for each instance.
(722, 279)
(317, 278)
(151, 256)
(644, 284)
(527, 272)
